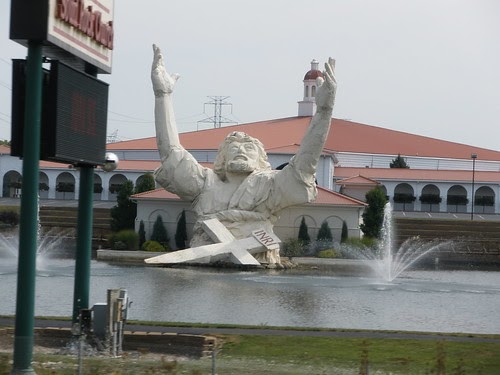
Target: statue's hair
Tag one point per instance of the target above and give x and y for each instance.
(220, 160)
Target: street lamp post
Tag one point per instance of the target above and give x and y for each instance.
(473, 157)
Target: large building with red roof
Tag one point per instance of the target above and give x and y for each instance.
(442, 176)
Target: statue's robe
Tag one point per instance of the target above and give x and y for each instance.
(254, 204)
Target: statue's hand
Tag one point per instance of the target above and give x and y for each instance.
(327, 87)
(163, 82)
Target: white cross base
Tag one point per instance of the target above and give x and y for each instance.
(226, 247)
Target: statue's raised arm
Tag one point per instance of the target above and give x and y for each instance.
(167, 135)
(311, 147)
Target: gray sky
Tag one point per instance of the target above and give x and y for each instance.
(428, 67)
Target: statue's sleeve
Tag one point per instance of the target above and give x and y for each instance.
(181, 174)
(290, 187)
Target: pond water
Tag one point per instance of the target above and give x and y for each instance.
(434, 301)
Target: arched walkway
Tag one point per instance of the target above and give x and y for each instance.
(97, 187)
(12, 183)
(115, 183)
(430, 198)
(43, 183)
(456, 199)
(484, 200)
(65, 186)
(404, 196)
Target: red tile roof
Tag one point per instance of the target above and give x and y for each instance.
(357, 180)
(404, 174)
(325, 197)
(285, 134)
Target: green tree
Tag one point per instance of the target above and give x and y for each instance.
(181, 232)
(160, 234)
(324, 233)
(303, 232)
(345, 232)
(399, 162)
(373, 216)
(124, 213)
(142, 234)
(146, 183)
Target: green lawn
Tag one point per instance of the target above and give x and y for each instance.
(273, 355)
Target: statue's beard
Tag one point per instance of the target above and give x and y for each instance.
(240, 166)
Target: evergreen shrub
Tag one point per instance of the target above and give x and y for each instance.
(153, 246)
(126, 239)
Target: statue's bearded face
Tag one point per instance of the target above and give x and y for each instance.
(242, 157)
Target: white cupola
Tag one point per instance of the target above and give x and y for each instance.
(307, 106)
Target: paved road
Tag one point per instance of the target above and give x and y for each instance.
(44, 323)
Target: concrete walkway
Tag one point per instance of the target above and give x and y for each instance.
(55, 323)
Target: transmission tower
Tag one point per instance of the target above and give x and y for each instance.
(217, 119)
(113, 137)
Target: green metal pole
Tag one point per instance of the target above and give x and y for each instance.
(84, 236)
(28, 226)
(84, 242)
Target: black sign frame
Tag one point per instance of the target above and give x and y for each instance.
(74, 115)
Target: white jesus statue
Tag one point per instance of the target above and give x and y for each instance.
(241, 191)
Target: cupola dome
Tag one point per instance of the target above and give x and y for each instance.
(307, 106)
(314, 72)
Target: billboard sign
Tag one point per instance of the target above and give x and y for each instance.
(69, 28)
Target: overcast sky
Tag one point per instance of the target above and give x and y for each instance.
(428, 67)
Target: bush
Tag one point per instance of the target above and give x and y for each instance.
(160, 232)
(328, 253)
(373, 216)
(153, 246)
(126, 239)
(404, 198)
(146, 183)
(303, 232)
(292, 248)
(361, 242)
(456, 200)
(316, 246)
(345, 232)
(9, 217)
(324, 233)
(142, 234)
(181, 232)
(430, 199)
(124, 213)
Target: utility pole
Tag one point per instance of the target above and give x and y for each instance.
(473, 157)
(217, 119)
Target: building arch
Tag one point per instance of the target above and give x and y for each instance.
(335, 224)
(456, 199)
(166, 218)
(65, 186)
(312, 226)
(484, 200)
(430, 198)
(404, 197)
(97, 187)
(12, 183)
(141, 178)
(115, 183)
(43, 185)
